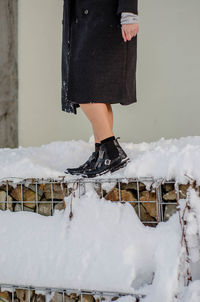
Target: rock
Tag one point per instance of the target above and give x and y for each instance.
(86, 298)
(4, 296)
(18, 208)
(144, 215)
(168, 187)
(183, 190)
(44, 209)
(97, 299)
(23, 294)
(59, 206)
(171, 192)
(170, 209)
(4, 205)
(73, 296)
(59, 192)
(5, 187)
(28, 209)
(113, 195)
(28, 195)
(171, 195)
(148, 211)
(57, 297)
(151, 208)
(133, 186)
(38, 298)
(39, 189)
(114, 298)
(2, 196)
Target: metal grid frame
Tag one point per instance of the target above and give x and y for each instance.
(80, 184)
(66, 291)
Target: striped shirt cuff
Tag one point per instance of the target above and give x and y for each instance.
(128, 18)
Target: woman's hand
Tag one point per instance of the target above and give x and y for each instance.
(129, 31)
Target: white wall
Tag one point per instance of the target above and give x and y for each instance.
(168, 75)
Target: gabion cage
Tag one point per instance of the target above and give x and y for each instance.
(20, 293)
(154, 200)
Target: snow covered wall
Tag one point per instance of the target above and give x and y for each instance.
(104, 246)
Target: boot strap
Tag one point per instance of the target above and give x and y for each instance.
(101, 154)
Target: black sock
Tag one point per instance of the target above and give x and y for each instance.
(112, 149)
(107, 139)
(97, 146)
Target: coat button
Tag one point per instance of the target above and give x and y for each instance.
(86, 11)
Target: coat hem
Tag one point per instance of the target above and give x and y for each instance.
(77, 104)
(107, 101)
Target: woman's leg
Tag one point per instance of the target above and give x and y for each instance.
(111, 157)
(110, 113)
(101, 117)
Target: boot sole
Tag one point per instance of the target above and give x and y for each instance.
(73, 173)
(113, 169)
(121, 165)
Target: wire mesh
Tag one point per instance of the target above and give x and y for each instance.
(155, 196)
(49, 293)
(148, 196)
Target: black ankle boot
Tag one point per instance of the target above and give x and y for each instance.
(87, 165)
(105, 163)
(123, 154)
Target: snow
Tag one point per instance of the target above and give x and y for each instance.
(96, 246)
(192, 293)
(169, 159)
(104, 246)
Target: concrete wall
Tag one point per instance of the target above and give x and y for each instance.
(8, 74)
(167, 75)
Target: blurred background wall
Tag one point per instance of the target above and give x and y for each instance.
(168, 75)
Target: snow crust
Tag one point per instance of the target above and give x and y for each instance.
(169, 159)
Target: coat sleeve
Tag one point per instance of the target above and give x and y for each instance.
(127, 6)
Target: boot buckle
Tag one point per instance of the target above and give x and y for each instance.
(107, 161)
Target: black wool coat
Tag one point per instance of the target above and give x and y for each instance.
(97, 65)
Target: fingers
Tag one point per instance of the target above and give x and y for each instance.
(129, 34)
(129, 31)
(123, 35)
